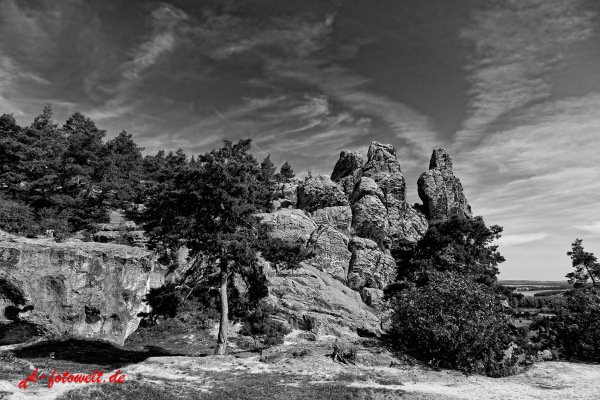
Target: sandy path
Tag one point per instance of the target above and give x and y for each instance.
(550, 380)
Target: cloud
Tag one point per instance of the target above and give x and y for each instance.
(517, 47)
(165, 20)
(517, 240)
(593, 227)
(538, 175)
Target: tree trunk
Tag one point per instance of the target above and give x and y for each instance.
(224, 324)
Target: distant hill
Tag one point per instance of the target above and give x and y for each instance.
(558, 284)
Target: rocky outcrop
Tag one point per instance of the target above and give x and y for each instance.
(330, 247)
(87, 290)
(369, 266)
(319, 192)
(440, 191)
(407, 224)
(310, 299)
(347, 171)
(339, 217)
(288, 224)
(370, 219)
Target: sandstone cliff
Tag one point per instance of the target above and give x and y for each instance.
(77, 289)
(351, 222)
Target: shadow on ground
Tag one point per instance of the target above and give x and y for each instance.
(86, 354)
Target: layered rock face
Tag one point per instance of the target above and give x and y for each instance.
(440, 191)
(87, 290)
(311, 299)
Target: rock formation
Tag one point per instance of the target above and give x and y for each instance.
(370, 266)
(80, 289)
(288, 224)
(351, 222)
(440, 191)
(339, 217)
(347, 171)
(330, 247)
(319, 192)
(314, 300)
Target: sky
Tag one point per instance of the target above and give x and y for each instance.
(511, 88)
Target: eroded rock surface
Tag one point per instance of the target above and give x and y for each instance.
(339, 217)
(347, 171)
(79, 289)
(330, 247)
(288, 224)
(314, 300)
(370, 219)
(441, 192)
(369, 266)
(319, 192)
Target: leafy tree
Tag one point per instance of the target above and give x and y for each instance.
(586, 266)
(461, 245)
(285, 173)
(211, 210)
(454, 322)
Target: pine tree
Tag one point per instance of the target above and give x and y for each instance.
(286, 173)
(586, 266)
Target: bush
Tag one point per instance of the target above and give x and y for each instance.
(454, 322)
(260, 324)
(575, 330)
(17, 218)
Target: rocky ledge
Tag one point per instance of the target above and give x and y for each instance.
(81, 289)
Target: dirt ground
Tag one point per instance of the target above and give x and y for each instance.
(303, 369)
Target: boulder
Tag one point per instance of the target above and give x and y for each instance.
(381, 159)
(369, 266)
(330, 247)
(319, 192)
(373, 298)
(347, 171)
(339, 217)
(369, 218)
(366, 187)
(407, 224)
(288, 224)
(313, 300)
(87, 290)
(441, 192)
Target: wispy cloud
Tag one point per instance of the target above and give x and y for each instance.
(517, 46)
(516, 240)
(593, 227)
(163, 39)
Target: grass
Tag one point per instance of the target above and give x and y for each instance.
(227, 386)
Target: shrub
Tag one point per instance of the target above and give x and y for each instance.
(575, 330)
(260, 324)
(454, 322)
(17, 218)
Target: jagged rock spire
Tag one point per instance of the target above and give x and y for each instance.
(441, 192)
(348, 170)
